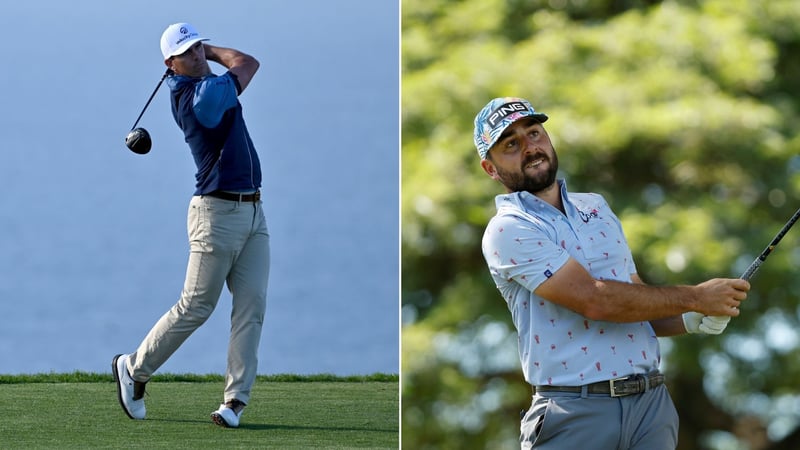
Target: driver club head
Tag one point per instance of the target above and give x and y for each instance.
(138, 141)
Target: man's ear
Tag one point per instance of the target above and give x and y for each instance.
(489, 168)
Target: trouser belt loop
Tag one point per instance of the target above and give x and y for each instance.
(585, 391)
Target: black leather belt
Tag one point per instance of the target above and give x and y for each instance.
(618, 387)
(254, 197)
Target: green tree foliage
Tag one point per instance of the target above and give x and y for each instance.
(684, 115)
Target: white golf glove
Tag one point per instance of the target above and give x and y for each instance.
(695, 323)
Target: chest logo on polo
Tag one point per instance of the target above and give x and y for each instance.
(590, 215)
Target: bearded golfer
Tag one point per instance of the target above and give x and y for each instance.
(587, 324)
(227, 231)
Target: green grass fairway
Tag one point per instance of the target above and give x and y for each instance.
(285, 412)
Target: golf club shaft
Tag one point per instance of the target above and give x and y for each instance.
(753, 268)
(167, 73)
(763, 256)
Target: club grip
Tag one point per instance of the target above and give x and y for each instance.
(752, 269)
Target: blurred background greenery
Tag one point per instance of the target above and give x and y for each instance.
(684, 115)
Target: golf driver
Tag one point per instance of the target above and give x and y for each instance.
(138, 139)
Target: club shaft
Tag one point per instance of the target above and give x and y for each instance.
(151, 98)
(763, 256)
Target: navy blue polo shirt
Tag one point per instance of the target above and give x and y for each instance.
(208, 111)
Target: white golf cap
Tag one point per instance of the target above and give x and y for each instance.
(177, 38)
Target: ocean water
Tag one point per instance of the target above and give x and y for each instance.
(94, 237)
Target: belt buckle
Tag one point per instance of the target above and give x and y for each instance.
(612, 390)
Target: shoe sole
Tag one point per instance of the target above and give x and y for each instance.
(118, 382)
(217, 419)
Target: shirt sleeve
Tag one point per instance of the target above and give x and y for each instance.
(213, 96)
(521, 251)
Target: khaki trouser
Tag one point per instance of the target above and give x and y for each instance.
(229, 242)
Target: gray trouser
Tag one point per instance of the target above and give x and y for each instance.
(557, 420)
(229, 242)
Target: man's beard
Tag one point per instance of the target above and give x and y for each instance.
(521, 181)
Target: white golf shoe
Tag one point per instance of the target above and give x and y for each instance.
(129, 392)
(228, 414)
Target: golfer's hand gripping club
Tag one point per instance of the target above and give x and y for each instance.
(698, 323)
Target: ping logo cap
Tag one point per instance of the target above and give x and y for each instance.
(496, 116)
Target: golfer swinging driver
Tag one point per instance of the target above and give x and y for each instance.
(227, 231)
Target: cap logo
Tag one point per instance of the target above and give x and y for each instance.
(184, 30)
(504, 110)
(186, 35)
